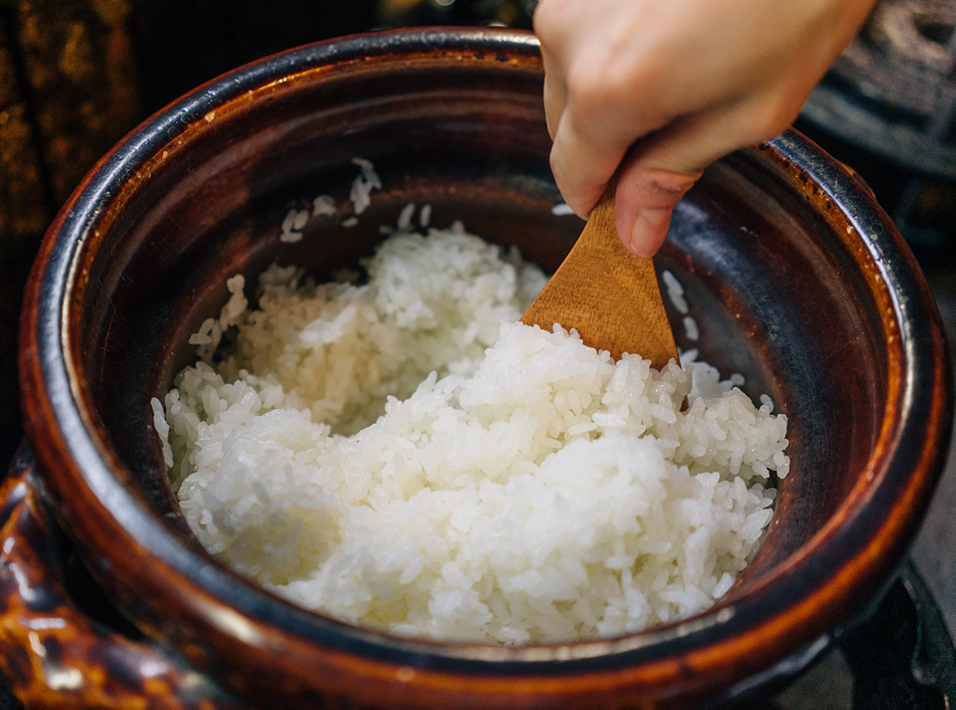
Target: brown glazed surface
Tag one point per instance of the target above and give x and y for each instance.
(795, 278)
(54, 654)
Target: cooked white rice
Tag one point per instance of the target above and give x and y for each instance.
(519, 487)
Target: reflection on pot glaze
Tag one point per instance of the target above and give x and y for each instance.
(51, 652)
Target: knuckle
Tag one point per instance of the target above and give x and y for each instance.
(585, 85)
(608, 83)
(595, 87)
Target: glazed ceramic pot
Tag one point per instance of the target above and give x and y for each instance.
(795, 277)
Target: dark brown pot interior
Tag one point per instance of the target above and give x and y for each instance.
(794, 275)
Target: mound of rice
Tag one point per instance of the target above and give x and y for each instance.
(404, 454)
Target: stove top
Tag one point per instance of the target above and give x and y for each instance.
(892, 90)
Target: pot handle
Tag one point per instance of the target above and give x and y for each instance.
(52, 653)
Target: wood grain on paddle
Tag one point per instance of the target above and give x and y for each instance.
(610, 296)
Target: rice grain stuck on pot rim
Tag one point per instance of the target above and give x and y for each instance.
(405, 454)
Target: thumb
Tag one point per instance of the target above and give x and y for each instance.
(645, 199)
(660, 169)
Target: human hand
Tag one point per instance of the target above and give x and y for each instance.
(659, 89)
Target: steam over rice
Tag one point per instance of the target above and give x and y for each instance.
(519, 487)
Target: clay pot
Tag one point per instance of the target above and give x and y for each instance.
(797, 279)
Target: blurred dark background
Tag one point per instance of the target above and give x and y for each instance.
(75, 75)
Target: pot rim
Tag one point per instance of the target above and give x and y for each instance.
(838, 569)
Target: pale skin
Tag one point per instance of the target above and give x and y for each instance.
(654, 91)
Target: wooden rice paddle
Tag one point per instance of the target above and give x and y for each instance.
(610, 296)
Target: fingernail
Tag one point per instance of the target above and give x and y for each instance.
(649, 231)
